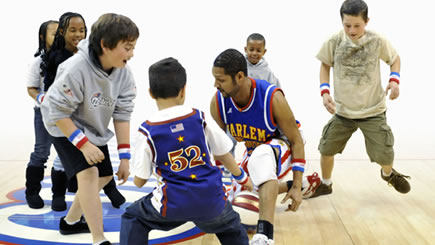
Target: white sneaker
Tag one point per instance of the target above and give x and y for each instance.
(260, 239)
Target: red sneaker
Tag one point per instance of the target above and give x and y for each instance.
(313, 183)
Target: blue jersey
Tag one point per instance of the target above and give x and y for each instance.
(190, 186)
(253, 123)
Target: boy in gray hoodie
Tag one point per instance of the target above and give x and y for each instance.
(258, 67)
(90, 88)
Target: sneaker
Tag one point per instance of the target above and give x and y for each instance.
(323, 189)
(398, 181)
(79, 227)
(313, 183)
(261, 239)
(106, 243)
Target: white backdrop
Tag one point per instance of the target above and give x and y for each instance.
(195, 32)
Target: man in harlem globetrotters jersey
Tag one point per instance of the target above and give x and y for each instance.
(256, 112)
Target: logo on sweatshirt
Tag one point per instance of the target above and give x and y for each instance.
(97, 99)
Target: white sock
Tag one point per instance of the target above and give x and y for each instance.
(73, 222)
(327, 181)
(98, 243)
(386, 175)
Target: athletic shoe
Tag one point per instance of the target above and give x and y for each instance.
(80, 227)
(313, 183)
(398, 181)
(323, 189)
(261, 239)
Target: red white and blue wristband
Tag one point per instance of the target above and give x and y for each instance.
(324, 89)
(124, 151)
(298, 164)
(395, 77)
(242, 178)
(40, 98)
(78, 138)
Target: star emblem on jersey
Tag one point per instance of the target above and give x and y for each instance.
(180, 139)
(193, 176)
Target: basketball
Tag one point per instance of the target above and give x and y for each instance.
(246, 203)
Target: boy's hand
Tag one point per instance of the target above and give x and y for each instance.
(123, 171)
(93, 154)
(394, 93)
(249, 186)
(329, 103)
(295, 193)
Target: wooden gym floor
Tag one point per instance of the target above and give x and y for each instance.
(361, 210)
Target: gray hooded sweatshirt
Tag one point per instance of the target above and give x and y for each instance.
(262, 71)
(89, 96)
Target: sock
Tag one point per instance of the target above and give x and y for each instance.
(266, 228)
(73, 222)
(327, 181)
(386, 175)
(100, 242)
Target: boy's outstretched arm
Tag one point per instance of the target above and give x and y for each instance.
(393, 83)
(230, 164)
(328, 102)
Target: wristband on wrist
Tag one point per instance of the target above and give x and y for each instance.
(40, 98)
(298, 164)
(242, 178)
(124, 151)
(324, 89)
(394, 77)
(78, 138)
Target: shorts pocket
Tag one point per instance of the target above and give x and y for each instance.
(325, 131)
(389, 137)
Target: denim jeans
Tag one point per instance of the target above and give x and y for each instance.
(41, 151)
(43, 141)
(141, 217)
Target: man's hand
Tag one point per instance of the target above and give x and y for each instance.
(295, 193)
(93, 154)
(329, 103)
(123, 171)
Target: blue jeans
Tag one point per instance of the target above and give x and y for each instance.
(141, 217)
(43, 141)
(41, 151)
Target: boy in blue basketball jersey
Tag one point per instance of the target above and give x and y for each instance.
(176, 144)
(257, 113)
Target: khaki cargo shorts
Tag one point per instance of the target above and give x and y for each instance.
(379, 139)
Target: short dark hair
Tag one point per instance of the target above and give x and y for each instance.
(111, 28)
(256, 37)
(167, 77)
(232, 61)
(355, 8)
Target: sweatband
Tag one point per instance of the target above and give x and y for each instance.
(394, 77)
(78, 138)
(298, 164)
(40, 98)
(242, 178)
(324, 88)
(124, 151)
